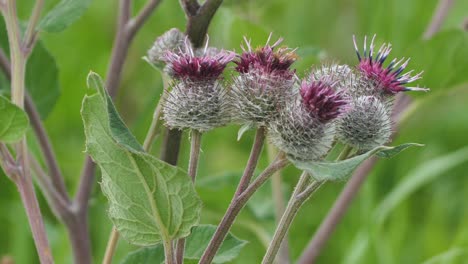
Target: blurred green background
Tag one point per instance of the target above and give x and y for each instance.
(412, 209)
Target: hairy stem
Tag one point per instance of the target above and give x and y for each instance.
(278, 199)
(253, 160)
(168, 252)
(40, 132)
(237, 203)
(30, 34)
(154, 129)
(23, 179)
(294, 204)
(111, 245)
(192, 172)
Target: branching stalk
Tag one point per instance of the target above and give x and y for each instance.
(280, 206)
(23, 179)
(237, 203)
(192, 172)
(294, 204)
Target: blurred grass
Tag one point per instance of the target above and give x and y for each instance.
(431, 221)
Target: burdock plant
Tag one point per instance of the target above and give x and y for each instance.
(153, 203)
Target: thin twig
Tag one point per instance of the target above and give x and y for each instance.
(136, 23)
(23, 180)
(59, 205)
(438, 18)
(111, 245)
(5, 65)
(280, 205)
(40, 132)
(30, 35)
(46, 148)
(296, 201)
(192, 172)
(253, 160)
(236, 206)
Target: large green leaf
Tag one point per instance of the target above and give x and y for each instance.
(195, 245)
(332, 171)
(65, 13)
(13, 121)
(149, 200)
(42, 75)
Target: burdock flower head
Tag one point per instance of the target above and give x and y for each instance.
(171, 40)
(197, 99)
(340, 76)
(384, 80)
(305, 129)
(265, 82)
(366, 124)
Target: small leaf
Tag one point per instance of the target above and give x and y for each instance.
(63, 15)
(195, 245)
(13, 121)
(149, 200)
(244, 128)
(388, 153)
(332, 171)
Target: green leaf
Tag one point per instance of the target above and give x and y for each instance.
(195, 245)
(42, 80)
(423, 174)
(149, 255)
(149, 200)
(42, 76)
(13, 121)
(65, 13)
(332, 171)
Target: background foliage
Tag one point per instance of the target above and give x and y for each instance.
(411, 210)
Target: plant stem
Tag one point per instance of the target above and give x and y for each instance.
(278, 199)
(30, 34)
(168, 252)
(253, 160)
(192, 172)
(237, 203)
(292, 208)
(23, 180)
(154, 129)
(111, 245)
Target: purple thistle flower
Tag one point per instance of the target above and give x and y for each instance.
(265, 82)
(321, 100)
(267, 61)
(390, 79)
(185, 65)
